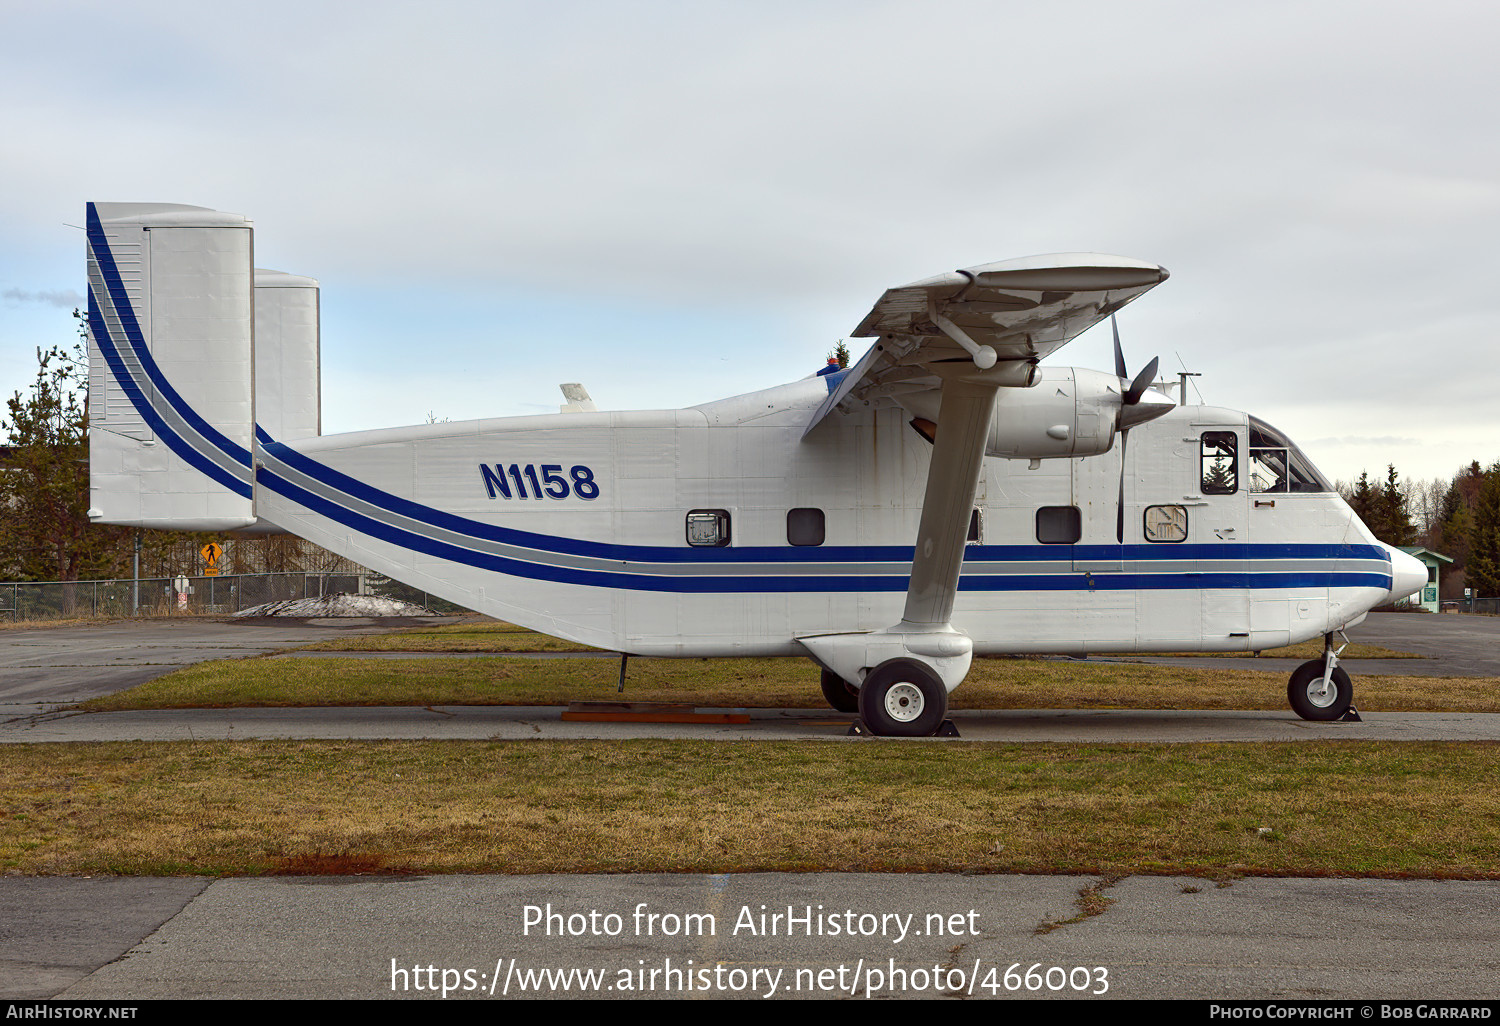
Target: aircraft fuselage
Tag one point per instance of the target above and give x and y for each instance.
(720, 530)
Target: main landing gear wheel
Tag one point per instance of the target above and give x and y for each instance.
(839, 694)
(1315, 697)
(902, 698)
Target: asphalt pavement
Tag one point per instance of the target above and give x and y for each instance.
(753, 936)
(516, 723)
(48, 667)
(458, 937)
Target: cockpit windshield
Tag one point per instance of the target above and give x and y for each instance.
(1276, 465)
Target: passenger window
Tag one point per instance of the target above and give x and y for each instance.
(1059, 525)
(1166, 523)
(708, 528)
(804, 527)
(1220, 463)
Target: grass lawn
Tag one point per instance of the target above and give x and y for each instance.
(1003, 683)
(1390, 809)
(1394, 809)
(495, 636)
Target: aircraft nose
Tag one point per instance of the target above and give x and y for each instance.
(1408, 574)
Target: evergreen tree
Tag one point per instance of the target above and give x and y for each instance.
(1454, 536)
(45, 532)
(1220, 478)
(1362, 500)
(44, 489)
(1484, 537)
(1395, 526)
(1452, 500)
(1469, 482)
(1456, 515)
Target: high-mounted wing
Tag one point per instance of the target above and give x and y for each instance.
(1015, 310)
(965, 335)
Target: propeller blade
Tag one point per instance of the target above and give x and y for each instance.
(1129, 397)
(1141, 383)
(1120, 509)
(1119, 353)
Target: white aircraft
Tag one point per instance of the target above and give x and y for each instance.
(948, 496)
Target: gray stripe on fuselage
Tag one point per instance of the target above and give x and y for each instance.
(546, 557)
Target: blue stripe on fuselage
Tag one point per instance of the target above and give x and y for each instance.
(546, 543)
(634, 580)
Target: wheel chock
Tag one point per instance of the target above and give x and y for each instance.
(858, 729)
(1352, 716)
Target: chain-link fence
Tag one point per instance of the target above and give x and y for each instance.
(194, 596)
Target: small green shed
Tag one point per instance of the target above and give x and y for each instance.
(1428, 597)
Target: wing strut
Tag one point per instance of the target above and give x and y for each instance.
(925, 634)
(952, 479)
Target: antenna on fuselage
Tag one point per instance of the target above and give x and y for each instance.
(1182, 382)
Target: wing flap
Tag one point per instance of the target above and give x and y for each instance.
(1023, 309)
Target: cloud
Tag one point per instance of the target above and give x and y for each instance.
(501, 191)
(53, 297)
(1365, 440)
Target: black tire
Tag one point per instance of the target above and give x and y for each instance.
(839, 694)
(902, 698)
(1306, 681)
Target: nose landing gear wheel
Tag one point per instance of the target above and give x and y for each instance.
(1315, 697)
(839, 694)
(902, 698)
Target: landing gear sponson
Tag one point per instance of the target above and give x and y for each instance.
(927, 338)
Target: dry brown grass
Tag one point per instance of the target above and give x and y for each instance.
(490, 636)
(497, 636)
(97, 621)
(789, 683)
(1364, 808)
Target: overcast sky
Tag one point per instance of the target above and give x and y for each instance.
(676, 202)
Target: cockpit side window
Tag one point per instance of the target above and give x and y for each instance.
(1276, 465)
(1220, 461)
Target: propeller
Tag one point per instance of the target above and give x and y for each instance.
(1130, 395)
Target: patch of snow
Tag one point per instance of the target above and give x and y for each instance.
(341, 604)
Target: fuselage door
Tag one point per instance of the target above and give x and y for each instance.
(1217, 534)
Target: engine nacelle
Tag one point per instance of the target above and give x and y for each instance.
(1069, 412)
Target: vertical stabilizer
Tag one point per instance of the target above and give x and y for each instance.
(287, 372)
(171, 389)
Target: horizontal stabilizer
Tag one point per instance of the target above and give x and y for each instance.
(192, 352)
